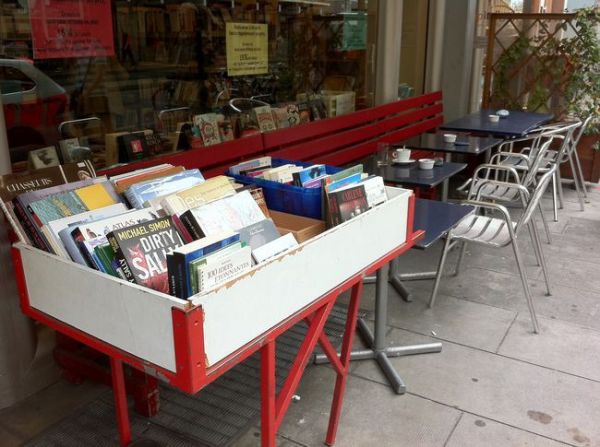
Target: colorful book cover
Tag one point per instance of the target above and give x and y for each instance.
(139, 193)
(280, 116)
(56, 207)
(208, 126)
(97, 196)
(264, 118)
(97, 228)
(346, 204)
(179, 260)
(304, 112)
(262, 162)
(308, 174)
(197, 263)
(106, 256)
(133, 146)
(45, 157)
(334, 185)
(212, 189)
(293, 114)
(141, 252)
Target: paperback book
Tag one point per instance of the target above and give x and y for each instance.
(141, 252)
(139, 193)
(346, 203)
(264, 118)
(208, 126)
(221, 269)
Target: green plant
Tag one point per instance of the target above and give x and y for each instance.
(583, 87)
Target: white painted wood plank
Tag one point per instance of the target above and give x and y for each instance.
(251, 304)
(133, 318)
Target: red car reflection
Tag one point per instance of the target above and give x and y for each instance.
(34, 106)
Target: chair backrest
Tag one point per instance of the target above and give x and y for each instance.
(579, 132)
(535, 197)
(536, 163)
(564, 130)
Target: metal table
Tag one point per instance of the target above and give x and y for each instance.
(464, 145)
(516, 124)
(436, 218)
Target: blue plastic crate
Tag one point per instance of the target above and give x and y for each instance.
(289, 198)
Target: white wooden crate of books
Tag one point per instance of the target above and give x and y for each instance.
(139, 321)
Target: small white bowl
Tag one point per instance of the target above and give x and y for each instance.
(426, 163)
(494, 118)
(449, 137)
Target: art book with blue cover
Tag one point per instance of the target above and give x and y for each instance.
(178, 262)
(308, 174)
(140, 193)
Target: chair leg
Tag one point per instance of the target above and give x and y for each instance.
(538, 244)
(577, 185)
(580, 174)
(530, 226)
(561, 197)
(440, 270)
(461, 255)
(545, 223)
(554, 198)
(528, 297)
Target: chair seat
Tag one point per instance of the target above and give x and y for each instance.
(495, 192)
(484, 230)
(514, 162)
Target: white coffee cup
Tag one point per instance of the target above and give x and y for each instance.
(401, 155)
(449, 137)
(426, 163)
(494, 118)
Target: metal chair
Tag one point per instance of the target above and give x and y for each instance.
(500, 232)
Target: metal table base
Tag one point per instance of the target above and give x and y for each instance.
(377, 345)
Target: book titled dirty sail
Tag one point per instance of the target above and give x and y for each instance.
(141, 252)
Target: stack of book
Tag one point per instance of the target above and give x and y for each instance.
(165, 227)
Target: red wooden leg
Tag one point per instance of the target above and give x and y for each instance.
(342, 377)
(268, 394)
(118, 382)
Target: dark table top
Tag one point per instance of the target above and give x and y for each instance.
(436, 219)
(465, 144)
(517, 124)
(411, 175)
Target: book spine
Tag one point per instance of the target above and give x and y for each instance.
(185, 234)
(177, 271)
(29, 226)
(122, 267)
(189, 222)
(172, 274)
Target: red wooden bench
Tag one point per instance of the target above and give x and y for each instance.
(334, 141)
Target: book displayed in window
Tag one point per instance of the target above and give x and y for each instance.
(208, 126)
(264, 118)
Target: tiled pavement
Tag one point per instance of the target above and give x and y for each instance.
(494, 383)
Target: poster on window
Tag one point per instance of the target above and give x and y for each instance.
(354, 32)
(71, 28)
(247, 48)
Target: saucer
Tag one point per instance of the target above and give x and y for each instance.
(402, 163)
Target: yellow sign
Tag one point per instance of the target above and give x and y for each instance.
(247, 48)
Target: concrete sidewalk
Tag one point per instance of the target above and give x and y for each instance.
(493, 384)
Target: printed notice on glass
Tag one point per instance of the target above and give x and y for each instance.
(247, 48)
(71, 28)
(354, 32)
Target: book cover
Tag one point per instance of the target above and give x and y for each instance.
(307, 174)
(375, 190)
(133, 146)
(56, 226)
(356, 169)
(197, 263)
(101, 227)
(221, 269)
(56, 207)
(346, 204)
(138, 193)
(304, 112)
(226, 130)
(262, 162)
(143, 175)
(334, 185)
(97, 196)
(264, 118)
(11, 185)
(293, 114)
(45, 157)
(106, 256)
(208, 126)
(259, 234)
(141, 252)
(280, 117)
(178, 262)
(67, 146)
(273, 248)
(230, 213)
(212, 189)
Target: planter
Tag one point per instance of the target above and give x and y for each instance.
(589, 158)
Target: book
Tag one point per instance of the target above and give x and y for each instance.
(98, 195)
(346, 203)
(259, 233)
(53, 228)
(230, 213)
(375, 190)
(139, 193)
(106, 257)
(45, 157)
(124, 181)
(55, 207)
(197, 263)
(212, 189)
(261, 162)
(141, 252)
(264, 118)
(226, 130)
(133, 146)
(293, 114)
(340, 175)
(12, 185)
(178, 261)
(335, 185)
(208, 127)
(67, 146)
(280, 117)
(307, 174)
(221, 269)
(304, 112)
(274, 248)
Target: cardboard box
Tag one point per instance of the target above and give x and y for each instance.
(303, 228)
